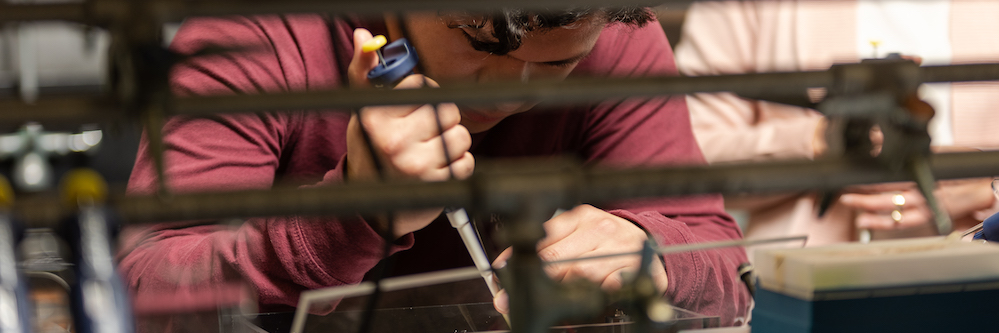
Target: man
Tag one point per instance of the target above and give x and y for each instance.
(281, 257)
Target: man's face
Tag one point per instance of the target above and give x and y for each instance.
(442, 41)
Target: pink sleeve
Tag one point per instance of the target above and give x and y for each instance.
(279, 256)
(721, 38)
(657, 131)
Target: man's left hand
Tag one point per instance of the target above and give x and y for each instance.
(587, 231)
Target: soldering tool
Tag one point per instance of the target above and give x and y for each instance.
(396, 61)
(100, 301)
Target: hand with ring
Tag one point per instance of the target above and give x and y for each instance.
(901, 205)
(896, 209)
(899, 200)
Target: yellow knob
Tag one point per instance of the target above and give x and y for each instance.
(374, 44)
(6, 192)
(83, 185)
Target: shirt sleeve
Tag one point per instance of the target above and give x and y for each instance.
(720, 37)
(657, 131)
(278, 256)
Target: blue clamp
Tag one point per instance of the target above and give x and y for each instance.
(990, 229)
(400, 60)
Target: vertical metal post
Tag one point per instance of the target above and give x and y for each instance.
(27, 58)
(13, 287)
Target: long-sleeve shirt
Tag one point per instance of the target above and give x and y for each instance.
(283, 256)
(734, 37)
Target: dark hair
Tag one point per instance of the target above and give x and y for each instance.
(510, 26)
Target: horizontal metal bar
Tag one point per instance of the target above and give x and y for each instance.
(489, 189)
(213, 8)
(588, 90)
(60, 110)
(583, 90)
(690, 248)
(176, 10)
(580, 90)
(331, 200)
(73, 12)
(954, 73)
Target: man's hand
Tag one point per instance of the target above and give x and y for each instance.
(405, 139)
(587, 231)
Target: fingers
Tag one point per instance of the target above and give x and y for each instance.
(606, 272)
(416, 81)
(561, 226)
(460, 169)
(884, 221)
(502, 302)
(877, 139)
(882, 202)
(409, 122)
(410, 143)
(362, 62)
(887, 211)
(586, 231)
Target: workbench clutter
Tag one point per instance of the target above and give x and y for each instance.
(911, 285)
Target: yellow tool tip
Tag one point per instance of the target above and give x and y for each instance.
(6, 192)
(83, 185)
(374, 44)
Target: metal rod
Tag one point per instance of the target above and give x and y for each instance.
(176, 10)
(584, 90)
(63, 110)
(587, 90)
(75, 12)
(688, 248)
(589, 185)
(951, 73)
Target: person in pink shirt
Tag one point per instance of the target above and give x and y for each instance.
(283, 256)
(731, 37)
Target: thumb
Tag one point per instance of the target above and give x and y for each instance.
(501, 302)
(363, 62)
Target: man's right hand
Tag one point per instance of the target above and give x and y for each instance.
(406, 139)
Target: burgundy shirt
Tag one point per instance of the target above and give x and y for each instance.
(283, 256)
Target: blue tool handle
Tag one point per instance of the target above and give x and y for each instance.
(100, 302)
(13, 286)
(400, 60)
(990, 229)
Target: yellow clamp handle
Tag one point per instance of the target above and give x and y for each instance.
(83, 185)
(6, 192)
(374, 44)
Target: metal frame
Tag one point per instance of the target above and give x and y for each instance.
(501, 191)
(90, 108)
(526, 191)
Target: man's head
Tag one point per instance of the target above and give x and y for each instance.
(511, 46)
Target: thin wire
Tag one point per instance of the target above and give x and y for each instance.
(369, 311)
(688, 248)
(387, 234)
(978, 227)
(422, 70)
(386, 262)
